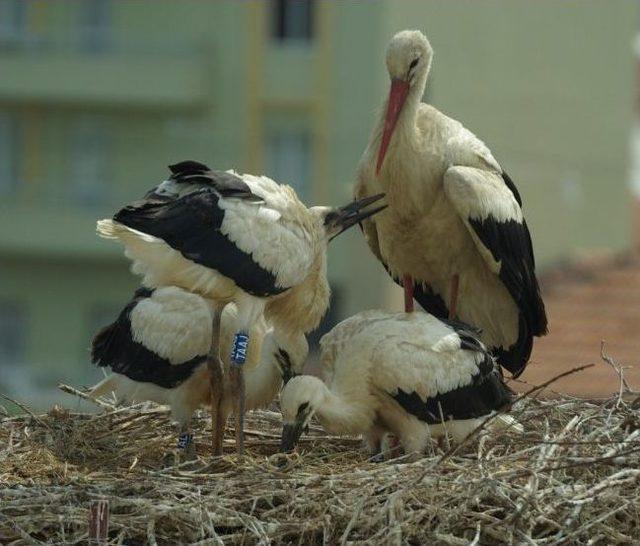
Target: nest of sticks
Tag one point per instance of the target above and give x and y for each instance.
(572, 478)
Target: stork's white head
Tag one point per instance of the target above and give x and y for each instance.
(408, 61)
(336, 220)
(301, 397)
(409, 56)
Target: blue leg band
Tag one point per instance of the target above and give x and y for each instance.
(184, 440)
(239, 349)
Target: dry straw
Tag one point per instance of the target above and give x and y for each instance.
(572, 478)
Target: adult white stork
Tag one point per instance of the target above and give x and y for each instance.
(453, 234)
(409, 374)
(235, 238)
(158, 347)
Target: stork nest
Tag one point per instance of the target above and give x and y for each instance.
(572, 478)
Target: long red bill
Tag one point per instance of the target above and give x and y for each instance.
(397, 95)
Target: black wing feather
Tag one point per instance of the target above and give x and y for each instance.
(486, 393)
(115, 348)
(226, 184)
(510, 244)
(191, 225)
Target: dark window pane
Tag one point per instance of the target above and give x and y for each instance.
(13, 18)
(13, 333)
(90, 161)
(101, 315)
(95, 25)
(10, 149)
(292, 19)
(288, 158)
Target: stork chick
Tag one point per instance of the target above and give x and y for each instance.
(454, 234)
(412, 375)
(158, 347)
(235, 238)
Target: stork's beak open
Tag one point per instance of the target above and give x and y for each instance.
(397, 95)
(291, 435)
(341, 219)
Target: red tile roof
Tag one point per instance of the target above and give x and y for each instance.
(597, 299)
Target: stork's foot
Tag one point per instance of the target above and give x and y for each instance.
(373, 440)
(190, 453)
(179, 456)
(393, 447)
(377, 457)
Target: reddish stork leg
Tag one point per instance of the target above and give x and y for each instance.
(407, 284)
(453, 301)
(217, 384)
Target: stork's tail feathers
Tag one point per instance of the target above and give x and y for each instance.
(108, 229)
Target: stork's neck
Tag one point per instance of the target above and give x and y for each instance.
(342, 414)
(405, 129)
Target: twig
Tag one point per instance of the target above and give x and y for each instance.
(26, 410)
(71, 390)
(624, 385)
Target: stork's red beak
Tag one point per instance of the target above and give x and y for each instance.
(397, 95)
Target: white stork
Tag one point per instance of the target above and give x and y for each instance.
(235, 238)
(409, 374)
(158, 348)
(453, 234)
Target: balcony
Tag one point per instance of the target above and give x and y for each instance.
(100, 71)
(37, 230)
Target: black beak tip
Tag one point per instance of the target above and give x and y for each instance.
(288, 440)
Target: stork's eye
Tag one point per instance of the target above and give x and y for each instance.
(414, 63)
(303, 408)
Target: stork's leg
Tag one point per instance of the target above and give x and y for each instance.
(216, 381)
(373, 439)
(407, 284)
(186, 445)
(453, 300)
(238, 358)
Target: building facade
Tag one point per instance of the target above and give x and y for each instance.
(98, 96)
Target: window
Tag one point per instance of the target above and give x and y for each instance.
(288, 158)
(13, 19)
(13, 327)
(10, 150)
(292, 19)
(97, 317)
(95, 25)
(90, 161)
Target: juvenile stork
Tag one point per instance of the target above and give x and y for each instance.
(235, 238)
(409, 374)
(158, 348)
(453, 235)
